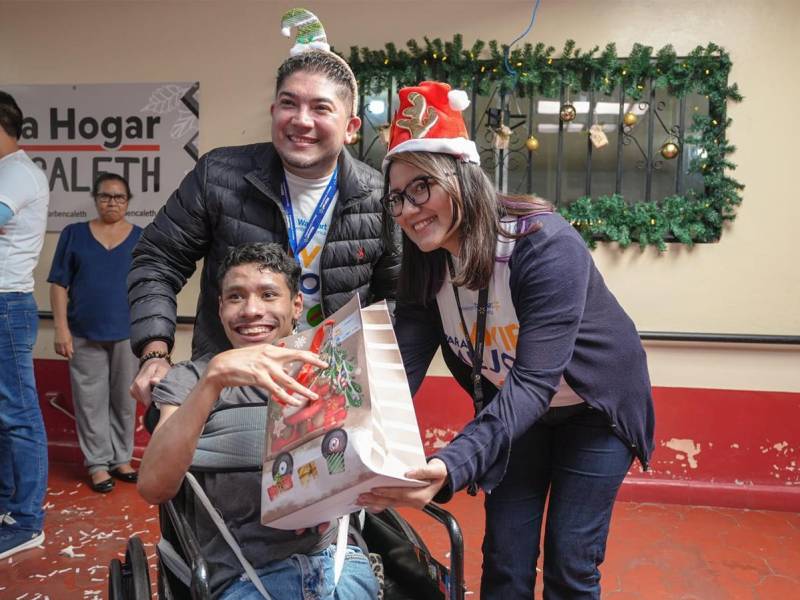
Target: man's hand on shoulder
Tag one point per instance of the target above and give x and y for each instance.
(264, 366)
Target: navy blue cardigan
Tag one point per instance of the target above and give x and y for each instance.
(570, 324)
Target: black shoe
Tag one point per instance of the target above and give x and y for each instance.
(102, 487)
(131, 477)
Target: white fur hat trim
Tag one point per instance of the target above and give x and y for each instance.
(462, 148)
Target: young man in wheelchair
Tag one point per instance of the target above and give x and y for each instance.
(259, 303)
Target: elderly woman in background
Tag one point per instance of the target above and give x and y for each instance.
(88, 294)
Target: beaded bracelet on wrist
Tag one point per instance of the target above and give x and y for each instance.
(155, 354)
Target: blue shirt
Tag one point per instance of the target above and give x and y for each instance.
(96, 282)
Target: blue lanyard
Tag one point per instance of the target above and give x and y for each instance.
(316, 217)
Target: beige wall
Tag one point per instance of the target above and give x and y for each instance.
(749, 282)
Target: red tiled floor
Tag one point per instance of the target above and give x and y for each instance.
(83, 532)
(655, 551)
(663, 551)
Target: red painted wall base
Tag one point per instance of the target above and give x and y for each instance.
(713, 447)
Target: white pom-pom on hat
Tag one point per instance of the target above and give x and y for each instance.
(458, 100)
(286, 31)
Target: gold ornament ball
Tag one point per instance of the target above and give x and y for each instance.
(670, 150)
(532, 144)
(568, 112)
(629, 119)
(354, 139)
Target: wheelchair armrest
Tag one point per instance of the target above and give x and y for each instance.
(456, 548)
(190, 546)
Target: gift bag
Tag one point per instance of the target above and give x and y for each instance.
(361, 433)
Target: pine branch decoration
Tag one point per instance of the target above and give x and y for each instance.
(542, 70)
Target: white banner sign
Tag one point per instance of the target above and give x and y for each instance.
(146, 132)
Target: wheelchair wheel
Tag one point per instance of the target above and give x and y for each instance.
(115, 589)
(136, 571)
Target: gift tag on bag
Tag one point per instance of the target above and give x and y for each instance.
(597, 136)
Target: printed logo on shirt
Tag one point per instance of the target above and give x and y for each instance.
(499, 351)
(311, 284)
(314, 315)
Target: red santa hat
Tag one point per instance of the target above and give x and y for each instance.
(429, 120)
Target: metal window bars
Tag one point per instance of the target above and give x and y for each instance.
(633, 165)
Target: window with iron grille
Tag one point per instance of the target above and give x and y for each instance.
(659, 171)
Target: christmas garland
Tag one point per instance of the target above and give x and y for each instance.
(687, 219)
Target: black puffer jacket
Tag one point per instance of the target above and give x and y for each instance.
(232, 196)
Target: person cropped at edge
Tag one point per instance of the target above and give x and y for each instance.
(92, 330)
(24, 197)
(564, 375)
(268, 192)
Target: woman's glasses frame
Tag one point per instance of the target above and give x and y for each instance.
(417, 192)
(104, 198)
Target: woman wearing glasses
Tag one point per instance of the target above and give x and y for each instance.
(88, 294)
(561, 384)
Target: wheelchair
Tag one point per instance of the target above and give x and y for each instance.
(407, 569)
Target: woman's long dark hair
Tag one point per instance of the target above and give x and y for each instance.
(478, 207)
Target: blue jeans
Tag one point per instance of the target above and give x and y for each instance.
(572, 453)
(311, 578)
(23, 441)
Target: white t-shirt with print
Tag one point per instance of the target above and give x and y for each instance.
(24, 189)
(502, 324)
(305, 195)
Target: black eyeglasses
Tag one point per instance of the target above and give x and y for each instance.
(104, 198)
(417, 192)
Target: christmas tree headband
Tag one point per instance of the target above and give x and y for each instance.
(429, 119)
(311, 38)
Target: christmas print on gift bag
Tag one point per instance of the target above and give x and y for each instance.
(360, 433)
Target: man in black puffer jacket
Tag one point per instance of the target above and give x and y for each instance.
(303, 190)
